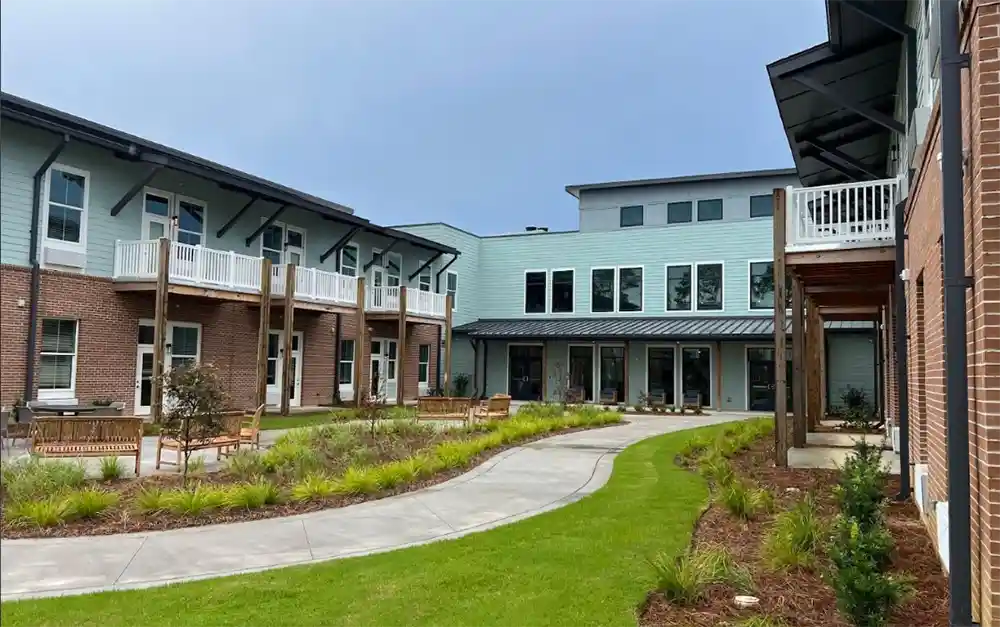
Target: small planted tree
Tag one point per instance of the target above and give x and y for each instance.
(194, 402)
(373, 409)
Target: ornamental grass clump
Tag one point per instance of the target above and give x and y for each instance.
(796, 537)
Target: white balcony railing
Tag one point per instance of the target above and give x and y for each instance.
(200, 266)
(383, 298)
(419, 303)
(834, 217)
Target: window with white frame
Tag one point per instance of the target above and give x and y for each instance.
(709, 287)
(630, 289)
(679, 287)
(183, 345)
(602, 290)
(762, 286)
(424, 278)
(452, 289)
(535, 291)
(393, 269)
(345, 370)
(424, 364)
(562, 291)
(190, 221)
(57, 366)
(66, 196)
(349, 260)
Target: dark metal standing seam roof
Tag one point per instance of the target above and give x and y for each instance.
(691, 328)
(136, 148)
(861, 62)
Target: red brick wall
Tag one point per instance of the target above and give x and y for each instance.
(416, 334)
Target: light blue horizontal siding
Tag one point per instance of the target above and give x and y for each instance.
(470, 287)
(850, 363)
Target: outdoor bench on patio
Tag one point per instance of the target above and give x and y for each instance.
(79, 436)
(443, 408)
(496, 407)
(232, 423)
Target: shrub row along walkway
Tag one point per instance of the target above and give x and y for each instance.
(515, 484)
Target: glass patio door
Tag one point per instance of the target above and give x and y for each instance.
(275, 381)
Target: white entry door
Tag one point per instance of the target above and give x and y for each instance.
(143, 380)
(382, 378)
(275, 348)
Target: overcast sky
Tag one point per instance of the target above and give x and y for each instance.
(477, 113)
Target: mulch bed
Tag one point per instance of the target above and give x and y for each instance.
(123, 520)
(798, 597)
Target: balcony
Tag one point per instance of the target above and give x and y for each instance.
(842, 217)
(137, 263)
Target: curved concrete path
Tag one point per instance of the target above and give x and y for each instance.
(515, 484)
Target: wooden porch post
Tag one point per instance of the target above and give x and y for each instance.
(545, 371)
(160, 326)
(336, 359)
(628, 345)
(447, 344)
(263, 331)
(359, 343)
(813, 374)
(401, 350)
(798, 354)
(287, 375)
(780, 415)
(718, 375)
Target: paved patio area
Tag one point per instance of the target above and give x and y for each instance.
(513, 485)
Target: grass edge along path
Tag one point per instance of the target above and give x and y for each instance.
(583, 564)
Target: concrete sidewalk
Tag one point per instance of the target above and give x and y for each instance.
(513, 485)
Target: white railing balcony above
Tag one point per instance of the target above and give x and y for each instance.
(422, 303)
(194, 265)
(316, 285)
(836, 217)
(383, 298)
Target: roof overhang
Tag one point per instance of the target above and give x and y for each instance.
(837, 99)
(574, 190)
(134, 148)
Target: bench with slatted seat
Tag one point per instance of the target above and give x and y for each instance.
(229, 437)
(443, 408)
(497, 407)
(87, 436)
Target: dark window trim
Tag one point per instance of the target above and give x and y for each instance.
(621, 216)
(770, 206)
(690, 207)
(722, 209)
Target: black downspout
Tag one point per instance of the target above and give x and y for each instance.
(879, 384)
(902, 367)
(955, 351)
(36, 269)
(336, 359)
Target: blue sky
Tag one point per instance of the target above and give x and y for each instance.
(476, 113)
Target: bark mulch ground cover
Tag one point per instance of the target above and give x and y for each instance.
(798, 597)
(123, 517)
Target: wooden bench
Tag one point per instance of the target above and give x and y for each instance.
(609, 396)
(443, 408)
(232, 422)
(496, 407)
(78, 436)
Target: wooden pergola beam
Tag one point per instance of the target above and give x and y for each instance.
(447, 342)
(263, 331)
(780, 338)
(401, 350)
(799, 422)
(359, 343)
(160, 327)
(287, 376)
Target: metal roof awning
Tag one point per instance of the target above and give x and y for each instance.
(837, 100)
(663, 329)
(138, 149)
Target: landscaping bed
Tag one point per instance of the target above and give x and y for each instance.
(306, 470)
(793, 594)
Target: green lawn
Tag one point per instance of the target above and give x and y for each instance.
(583, 564)
(305, 419)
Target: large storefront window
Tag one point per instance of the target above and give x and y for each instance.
(660, 364)
(613, 372)
(696, 373)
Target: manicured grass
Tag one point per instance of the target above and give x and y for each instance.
(305, 419)
(584, 564)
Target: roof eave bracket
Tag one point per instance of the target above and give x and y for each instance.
(833, 95)
(426, 265)
(339, 244)
(267, 223)
(380, 257)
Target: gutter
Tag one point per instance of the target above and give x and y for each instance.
(36, 270)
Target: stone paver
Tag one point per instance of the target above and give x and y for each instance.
(515, 484)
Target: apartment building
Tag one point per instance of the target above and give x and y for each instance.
(87, 206)
(893, 124)
(666, 288)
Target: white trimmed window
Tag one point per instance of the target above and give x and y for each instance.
(424, 278)
(345, 371)
(393, 269)
(424, 364)
(184, 344)
(66, 198)
(349, 262)
(57, 367)
(452, 289)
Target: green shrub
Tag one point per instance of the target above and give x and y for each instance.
(541, 410)
(196, 465)
(314, 487)
(89, 502)
(111, 468)
(745, 501)
(358, 480)
(861, 488)
(684, 579)
(866, 594)
(291, 457)
(395, 473)
(795, 538)
(716, 468)
(31, 478)
(194, 501)
(47, 512)
(454, 454)
(252, 495)
(245, 464)
(151, 500)
(695, 446)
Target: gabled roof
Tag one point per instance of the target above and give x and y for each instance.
(135, 148)
(575, 190)
(663, 329)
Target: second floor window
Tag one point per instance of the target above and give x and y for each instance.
(630, 289)
(393, 265)
(710, 287)
(709, 210)
(424, 279)
(66, 205)
(452, 289)
(602, 290)
(679, 288)
(562, 291)
(630, 216)
(534, 292)
(349, 260)
(678, 212)
(762, 285)
(761, 206)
